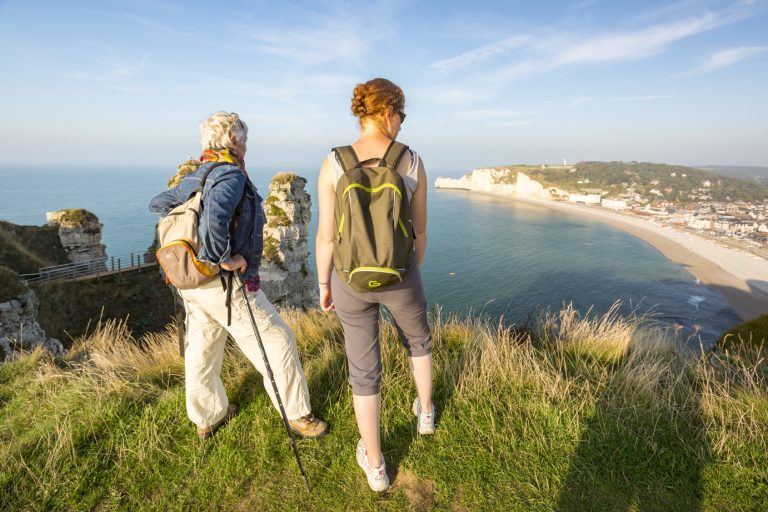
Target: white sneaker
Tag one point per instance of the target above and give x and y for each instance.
(425, 423)
(377, 477)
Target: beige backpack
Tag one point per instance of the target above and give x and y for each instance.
(179, 242)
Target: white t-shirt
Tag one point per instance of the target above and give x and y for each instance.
(410, 178)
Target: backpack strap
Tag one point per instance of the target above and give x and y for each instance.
(207, 172)
(347, 157)
(394, 154)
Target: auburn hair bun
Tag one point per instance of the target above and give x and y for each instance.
(358, 101)
(375, 97)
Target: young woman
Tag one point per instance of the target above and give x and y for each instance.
(379, 106)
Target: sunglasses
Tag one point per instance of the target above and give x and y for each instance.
(402, 115)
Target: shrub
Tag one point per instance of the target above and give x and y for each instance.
(272, 251)
(77, 216)
(277, 217)
(286, 177)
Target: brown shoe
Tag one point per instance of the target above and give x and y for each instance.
(205, 433)
(309, 427)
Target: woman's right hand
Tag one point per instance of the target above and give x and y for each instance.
(326, 298)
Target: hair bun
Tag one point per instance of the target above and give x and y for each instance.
(358, 100)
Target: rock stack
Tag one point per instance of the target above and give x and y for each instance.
(19, 329)
(285, 275)
(80, 234)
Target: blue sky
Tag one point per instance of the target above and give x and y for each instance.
(486, 83)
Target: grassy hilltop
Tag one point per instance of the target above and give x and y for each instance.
(572, 414)
(676, 182)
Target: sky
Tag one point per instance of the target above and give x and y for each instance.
(486, 83)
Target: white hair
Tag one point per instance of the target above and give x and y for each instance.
(221, 128)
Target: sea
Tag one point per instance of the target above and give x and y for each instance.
(490, 256)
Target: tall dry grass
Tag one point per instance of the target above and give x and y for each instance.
(522, 395)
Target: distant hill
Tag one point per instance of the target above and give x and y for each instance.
(747, 172)
(650, 180)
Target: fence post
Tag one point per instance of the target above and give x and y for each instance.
(118, 265)
(113, 263)
(131, 259)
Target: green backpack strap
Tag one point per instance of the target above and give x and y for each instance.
(347, 157)
(394, 154)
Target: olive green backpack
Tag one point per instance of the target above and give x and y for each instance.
(374, 240)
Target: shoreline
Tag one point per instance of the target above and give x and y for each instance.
(740, 278)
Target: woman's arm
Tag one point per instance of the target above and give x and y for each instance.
(419, 213)
(326, 198)
(221, 200)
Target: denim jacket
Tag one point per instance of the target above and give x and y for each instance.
(223, 190)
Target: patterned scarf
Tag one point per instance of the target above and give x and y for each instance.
(209, 155)
(223, 155)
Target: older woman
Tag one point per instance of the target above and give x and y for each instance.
(379, 105)
(228, 194)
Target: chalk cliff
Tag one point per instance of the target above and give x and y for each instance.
(499, 181)
(285, 275)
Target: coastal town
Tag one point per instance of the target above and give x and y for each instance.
(687, 199)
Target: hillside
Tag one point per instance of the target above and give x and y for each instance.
(672, 182)
(25, 249)
(570, 415)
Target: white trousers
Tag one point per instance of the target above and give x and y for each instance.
(207, 330)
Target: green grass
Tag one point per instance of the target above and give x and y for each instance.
(750, 333)
(574, 415)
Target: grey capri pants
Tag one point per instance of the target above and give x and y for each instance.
(359, 315)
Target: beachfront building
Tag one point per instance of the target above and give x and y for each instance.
(584, 198)
(614, 204)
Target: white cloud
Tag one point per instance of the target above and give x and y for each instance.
(727, 58)
(584, 4)
(478, 54)
(545, 53)
(110, 71)
(488, 114)
(635, 44)
(623, 99)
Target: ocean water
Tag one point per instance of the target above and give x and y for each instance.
(488, 255)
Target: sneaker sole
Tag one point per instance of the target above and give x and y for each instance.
(304, 436)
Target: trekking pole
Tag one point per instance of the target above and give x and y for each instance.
(272, 380)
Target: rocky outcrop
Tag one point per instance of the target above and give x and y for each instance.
(285, 274)
(499, 181)
(80, 234)
(19, 330)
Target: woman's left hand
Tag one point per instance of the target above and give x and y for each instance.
(237, 262)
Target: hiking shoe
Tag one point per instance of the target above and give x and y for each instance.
(425, 423)
(309, 427)
(377, 477)
(205, 433)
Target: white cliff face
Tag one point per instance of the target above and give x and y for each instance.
(19, 330)
(499, 181)
(285, 275)
(80, 234)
